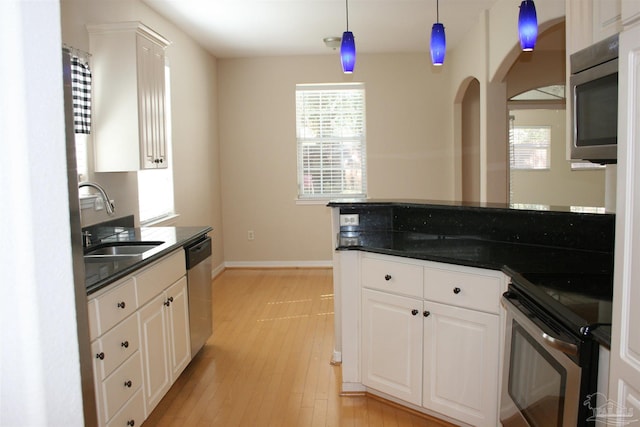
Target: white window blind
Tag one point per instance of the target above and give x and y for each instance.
(530, 147)
(331, 130)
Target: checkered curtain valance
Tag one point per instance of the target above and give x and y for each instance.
(81, 91)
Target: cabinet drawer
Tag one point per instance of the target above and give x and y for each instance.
(155, 279)
(111, 307)
(392, 276)
(132, 414)
(116, 390)
(463, 289)
(115, 347)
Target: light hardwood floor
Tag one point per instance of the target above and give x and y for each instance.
(267, 363)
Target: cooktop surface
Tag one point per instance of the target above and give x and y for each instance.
(582, 302)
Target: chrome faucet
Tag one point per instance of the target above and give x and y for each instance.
(107, 204)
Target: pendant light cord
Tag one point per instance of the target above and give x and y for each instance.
(347, 3)
(437, 10)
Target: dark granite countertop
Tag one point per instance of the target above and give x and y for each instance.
(100, 273)
(567, 256)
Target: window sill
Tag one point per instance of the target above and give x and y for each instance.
(88, 201)
(169, 220)
(312, 201)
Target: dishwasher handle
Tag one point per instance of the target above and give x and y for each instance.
(198, 252)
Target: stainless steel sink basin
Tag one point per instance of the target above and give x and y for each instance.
(122, 249)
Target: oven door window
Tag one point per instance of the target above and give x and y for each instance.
(537, 382)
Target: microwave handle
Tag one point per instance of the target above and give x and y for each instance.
(558, 344)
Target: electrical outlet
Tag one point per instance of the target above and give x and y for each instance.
(250, 235)
(350, 219)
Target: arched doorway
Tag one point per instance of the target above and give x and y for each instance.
(470, 142)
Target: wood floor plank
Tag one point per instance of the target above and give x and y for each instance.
(267, 362)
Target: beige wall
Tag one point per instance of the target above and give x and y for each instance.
(558, 186)
(409, 153)
(486, 53)
(194, 124)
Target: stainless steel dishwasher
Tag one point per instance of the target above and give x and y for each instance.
(198, 257)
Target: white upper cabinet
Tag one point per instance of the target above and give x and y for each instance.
(128, 62)
(630, 10)
(606, 19)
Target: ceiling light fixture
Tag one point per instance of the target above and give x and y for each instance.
(527, 25)
(332, 42)
(438, 40)
(348, 48)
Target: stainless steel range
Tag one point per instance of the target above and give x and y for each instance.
(551, 359)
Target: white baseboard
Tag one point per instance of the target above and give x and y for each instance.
(269, 264)
(279, 264)
(217, 270)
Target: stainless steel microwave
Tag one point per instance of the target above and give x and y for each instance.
(594, 101)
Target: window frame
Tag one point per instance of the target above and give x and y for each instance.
(529, 145)
(340, 147)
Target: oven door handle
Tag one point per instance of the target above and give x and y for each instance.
(558, 344)
(553, 342)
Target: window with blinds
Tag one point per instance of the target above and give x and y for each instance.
(530, 146)
(330, 128)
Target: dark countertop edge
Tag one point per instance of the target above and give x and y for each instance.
(601, 335)
(423, 257)
(142, 263)
(463, 205)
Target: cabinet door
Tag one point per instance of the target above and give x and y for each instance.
(392, 344)
(179, 343)
(461, 363)
(624, 381)
(154, 338)
(151, 104)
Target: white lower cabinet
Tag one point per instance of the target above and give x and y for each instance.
(436, 348)
(392, 344)
(164, 335)
(139, 331)
(461, 353)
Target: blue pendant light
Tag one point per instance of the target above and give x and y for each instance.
(348, 48)
(527, 25)
(438, 40)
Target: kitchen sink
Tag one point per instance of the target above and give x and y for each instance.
(121, 249)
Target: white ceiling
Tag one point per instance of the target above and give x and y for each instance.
(245, 28)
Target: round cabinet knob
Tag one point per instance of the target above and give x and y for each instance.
(100, 356)
(387, 277)
(131, 423)
(456, 290)
(121, 304)
(414, 312)
(426, 313)
(125, 344)
(170, 299)
(167, 303)
(128, 383)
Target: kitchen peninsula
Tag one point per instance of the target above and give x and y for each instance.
(449, 264)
